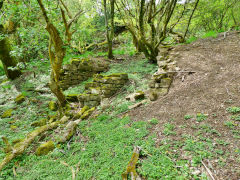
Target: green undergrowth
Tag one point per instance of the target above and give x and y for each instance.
(203, 35)
(1, 69)
(106, 153)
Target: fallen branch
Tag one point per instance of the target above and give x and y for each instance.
(131, 167)
(208, 170)
(20, 147)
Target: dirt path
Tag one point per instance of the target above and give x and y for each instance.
(211, 90)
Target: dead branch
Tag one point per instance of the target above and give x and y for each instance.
(20, 147)
(208, 170)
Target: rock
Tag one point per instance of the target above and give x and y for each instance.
(69, 132)
(105, 103)
(19, 99)
(7, 113)
(45, 148)
(136, 96)
(81, 112)
(196, 172)
(162, 91)
(72, 97)
(153, 96)
(52, 105)
(41, 122)
(165, 82)
(87, 113)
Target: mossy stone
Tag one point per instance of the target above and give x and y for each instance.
(69, 132)
(139, 95)
(82, 111)
(45, 148)
(72, 97)
(19, 99)
(7, 113)
(52, 105)
(13, 127)
(87, 113)
(41, 122)
(165, 82)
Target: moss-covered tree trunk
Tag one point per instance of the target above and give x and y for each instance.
(56, 54)
(9, 62)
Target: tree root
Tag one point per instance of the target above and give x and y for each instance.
(20, 147)
(131, 167)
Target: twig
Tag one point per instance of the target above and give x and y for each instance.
(208, 170)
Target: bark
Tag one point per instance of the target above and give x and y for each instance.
(9, 62)
(109, 35)
(131, 167)
(56, 57)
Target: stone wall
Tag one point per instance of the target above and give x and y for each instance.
(103, 86)
(162, 79)
(80, 70)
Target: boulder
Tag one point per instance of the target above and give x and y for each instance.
(136, 96)
(45, 148)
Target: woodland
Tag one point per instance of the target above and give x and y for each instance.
(120, 89)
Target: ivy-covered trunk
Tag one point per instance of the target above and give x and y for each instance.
(9, 62)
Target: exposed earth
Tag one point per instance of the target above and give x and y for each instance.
(210, 89)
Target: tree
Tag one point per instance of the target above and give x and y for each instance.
(148, 22)
(56, 57)
(110, 34)
(9, 62)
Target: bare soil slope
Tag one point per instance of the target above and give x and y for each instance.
(214, 87)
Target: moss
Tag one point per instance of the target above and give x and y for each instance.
(72, 97)
(139, 95)
(41, 122)
(7, 113)
(15, 141)
(87, 113)
(13, 127)
(45, 148)
(69, 132)
(81, 112)
(52, 106)
(20, 98)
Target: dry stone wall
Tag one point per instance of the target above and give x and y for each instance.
(103, 86)
(80, 70)
(162, 79)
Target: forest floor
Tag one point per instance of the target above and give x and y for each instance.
(203, 107)
(197, 123)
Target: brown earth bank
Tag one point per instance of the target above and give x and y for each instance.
(214, 87)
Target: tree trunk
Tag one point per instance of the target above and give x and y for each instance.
(110, 34)
(9, 62)
(56, 57)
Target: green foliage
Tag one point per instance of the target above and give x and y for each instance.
(186, 117)
(154, 121)
(233, 110)
(168, 129)
(1, 69)
(201, 117)
(210, 34)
